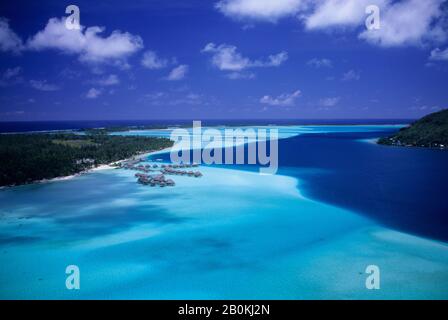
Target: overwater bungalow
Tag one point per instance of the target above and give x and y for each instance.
(143, 180)
(159, 177)
(164, 169)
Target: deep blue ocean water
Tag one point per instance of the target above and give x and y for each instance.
(402, 188)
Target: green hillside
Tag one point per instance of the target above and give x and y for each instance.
(430, 131)
(26, 158)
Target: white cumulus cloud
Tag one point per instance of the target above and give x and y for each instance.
(329, 102)
(351, 75)
(93, 93)
(320, 63)
(43, 85)
(178, 73)
(227, 58)
(286, 99)
(11, 76)
(240, 75)
(12, 72)
(110, 80)
(334, 13)
(402, 22)
(9, 40)
(269, 10)
(409, 22)
(88, 43)
(152, 61)
(439, 55)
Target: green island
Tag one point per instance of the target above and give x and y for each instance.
(431, 132)
(108, 130)
(27, 158)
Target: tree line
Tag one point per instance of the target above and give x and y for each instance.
(25, 158)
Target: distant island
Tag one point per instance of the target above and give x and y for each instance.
(27, 158)
(108, 130)
(431, 131)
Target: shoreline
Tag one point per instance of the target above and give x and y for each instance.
(87, 171)
(396, 145)
(146, 154)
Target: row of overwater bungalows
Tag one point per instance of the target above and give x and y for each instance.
(158, 179)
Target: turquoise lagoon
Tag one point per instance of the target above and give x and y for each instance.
(232, 234)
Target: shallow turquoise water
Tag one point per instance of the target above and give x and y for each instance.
(231, 234)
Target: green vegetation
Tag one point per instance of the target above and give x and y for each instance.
(75, 143)
(430, 131)
(25, 158)
(104, 131)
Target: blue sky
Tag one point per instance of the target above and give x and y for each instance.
(226, 59)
